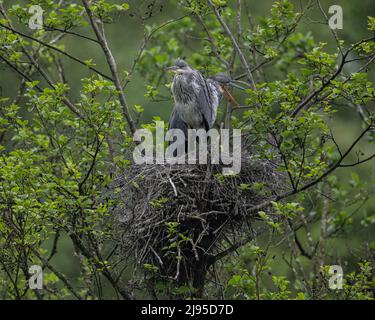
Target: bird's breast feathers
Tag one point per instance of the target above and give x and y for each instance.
(190, 114)
(196, 100)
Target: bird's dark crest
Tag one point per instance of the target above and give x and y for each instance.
(181, 63)
(221, 78)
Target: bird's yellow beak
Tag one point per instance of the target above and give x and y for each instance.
(174, 69)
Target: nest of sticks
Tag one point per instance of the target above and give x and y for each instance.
(174, 218)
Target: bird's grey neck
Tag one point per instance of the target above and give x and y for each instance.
(184, 88)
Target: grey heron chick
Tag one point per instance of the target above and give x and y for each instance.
(196, 98)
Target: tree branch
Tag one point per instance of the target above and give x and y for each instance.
(56, 49)
(311, 184)
(235, 44)
(112, 65)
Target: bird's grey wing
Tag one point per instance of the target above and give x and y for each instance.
(216, 96)
(207, 101)
(175, 122)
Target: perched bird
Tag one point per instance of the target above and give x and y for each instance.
(196, 98)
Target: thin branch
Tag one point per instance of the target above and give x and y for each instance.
(358, 162)
(50, 28)
(144, 44)
(211, 41)
(23, 75)
(235, 44)
(333, 76)
(56, 49)
(64, 99)
(265, 204)
(57, 273)
(112, 65)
